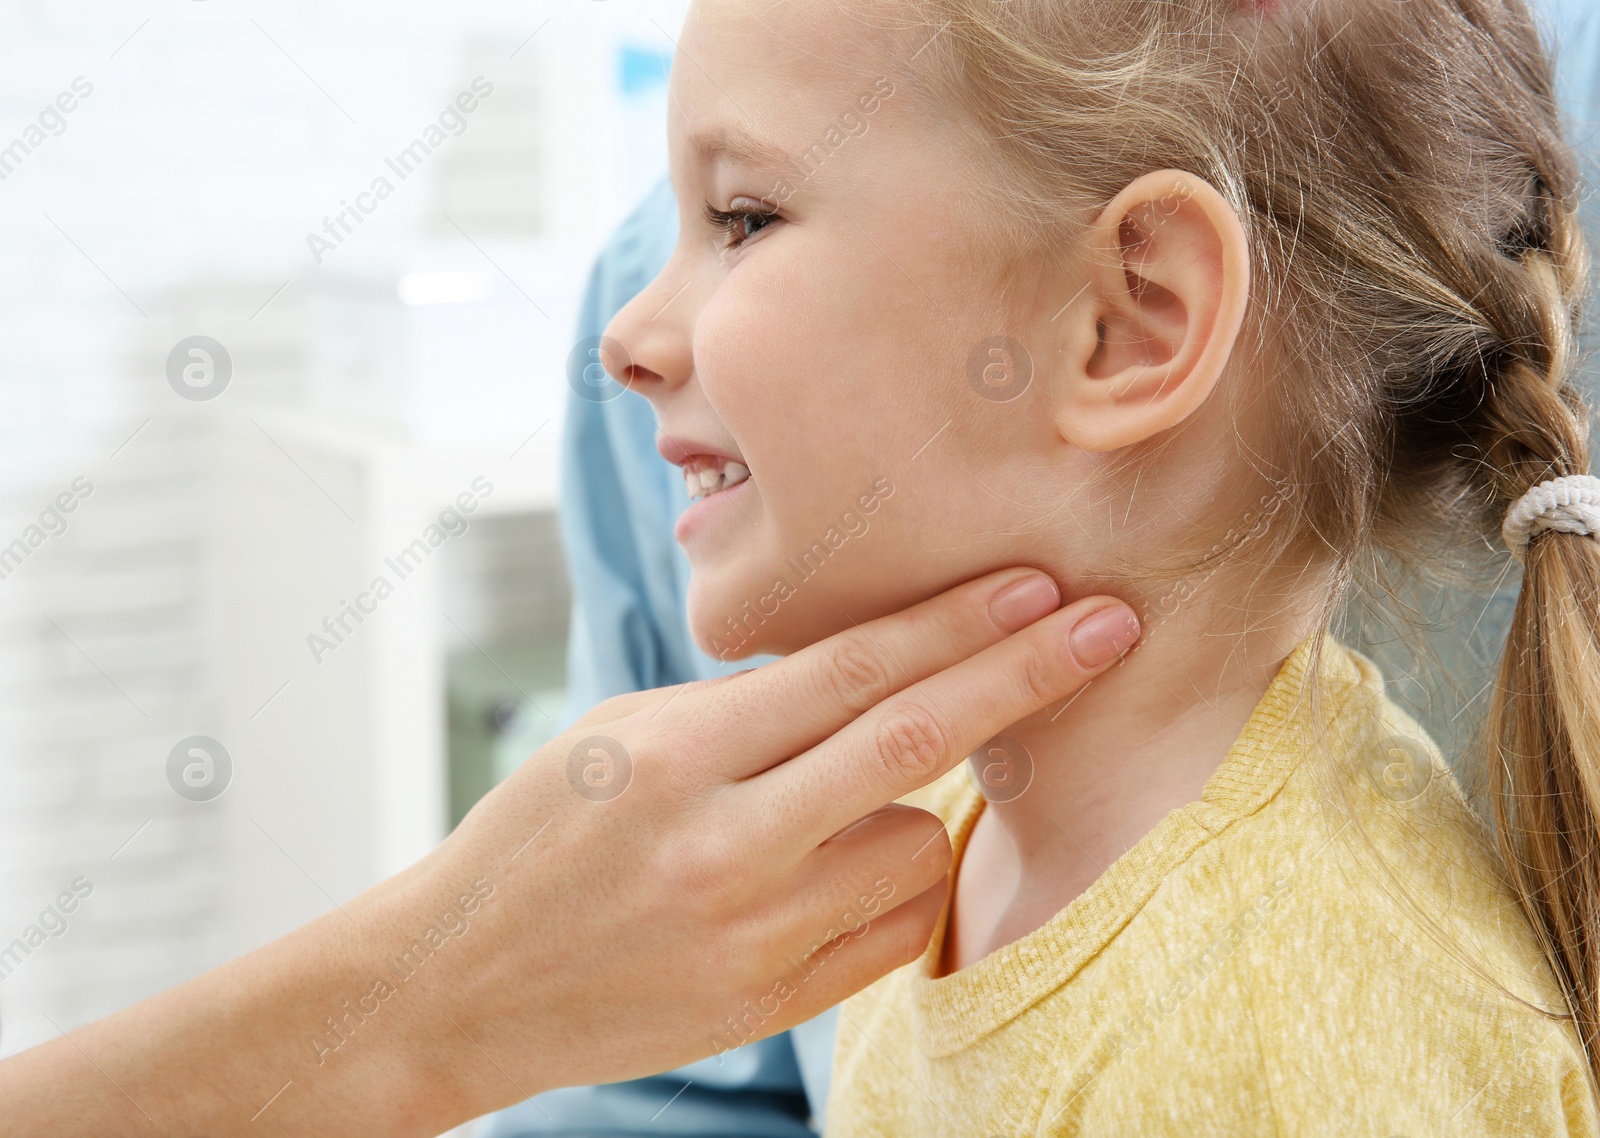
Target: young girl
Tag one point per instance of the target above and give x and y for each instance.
(1208, 305)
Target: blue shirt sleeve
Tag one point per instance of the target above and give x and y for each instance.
(619, 501)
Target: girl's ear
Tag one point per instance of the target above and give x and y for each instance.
(1153, 327)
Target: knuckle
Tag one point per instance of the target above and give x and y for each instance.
(910, 938)
(911, 743)
(720, 862)
(1039, 674)
(659, 770)
(662, 742)
(693, 880)
(855, 676)
(607, 710)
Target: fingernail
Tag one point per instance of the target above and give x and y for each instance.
(1022, 602)
(1103, 635)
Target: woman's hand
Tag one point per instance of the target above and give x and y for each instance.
(691, 868)
(683, 871)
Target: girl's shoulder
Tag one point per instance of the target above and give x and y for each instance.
(1386, 921)
(1372, 823)
(1345, 944)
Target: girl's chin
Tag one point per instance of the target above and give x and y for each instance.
(732, 623)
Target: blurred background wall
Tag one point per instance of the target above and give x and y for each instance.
(287, 286)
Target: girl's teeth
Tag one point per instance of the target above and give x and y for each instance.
(700, 483)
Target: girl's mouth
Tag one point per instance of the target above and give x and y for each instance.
(704, 475)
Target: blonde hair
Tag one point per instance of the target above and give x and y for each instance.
(1417, 272)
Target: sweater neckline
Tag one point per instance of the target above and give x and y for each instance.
(957, 1010)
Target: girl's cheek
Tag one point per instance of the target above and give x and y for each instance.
(727, 348)
(749, 372)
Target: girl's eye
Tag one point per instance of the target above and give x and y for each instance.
(738, 225)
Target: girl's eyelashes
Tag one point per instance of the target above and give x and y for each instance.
(737, 225)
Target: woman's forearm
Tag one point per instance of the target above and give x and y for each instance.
(322, 1030)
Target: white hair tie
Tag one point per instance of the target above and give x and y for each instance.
(1570, 505)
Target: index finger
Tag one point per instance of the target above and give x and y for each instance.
(916, 736)
(760, 719)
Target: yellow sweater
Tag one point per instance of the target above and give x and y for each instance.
(1247, 968)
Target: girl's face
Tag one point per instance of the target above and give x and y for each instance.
(846, 350)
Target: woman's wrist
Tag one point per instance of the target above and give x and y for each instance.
(393, 1046)
(294, 1022)
(431, 957)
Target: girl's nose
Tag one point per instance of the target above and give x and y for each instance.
(648, 346)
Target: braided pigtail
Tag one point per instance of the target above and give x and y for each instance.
(1541, 738)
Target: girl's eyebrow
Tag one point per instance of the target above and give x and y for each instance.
(736, 145)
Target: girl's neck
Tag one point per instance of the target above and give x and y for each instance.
(1140, 741)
